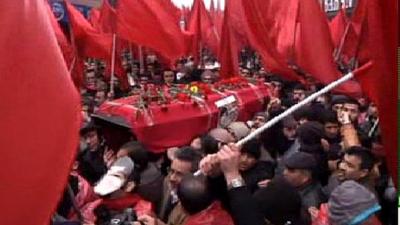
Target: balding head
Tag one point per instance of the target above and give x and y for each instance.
(194, 193)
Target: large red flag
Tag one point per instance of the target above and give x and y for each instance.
(263, 22)
(94, 19)
(174, 11)
(228, 52)
(203, 29)
(337, 27)
(381, 84)
(88, 41)
(147, 23)
(315, 47)
(39, 111)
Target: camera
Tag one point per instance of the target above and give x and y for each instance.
(126, 218)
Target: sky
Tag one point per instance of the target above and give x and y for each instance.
(186, 3)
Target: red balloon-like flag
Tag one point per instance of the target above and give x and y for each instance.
(39, 115)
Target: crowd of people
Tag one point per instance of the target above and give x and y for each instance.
(323, 165)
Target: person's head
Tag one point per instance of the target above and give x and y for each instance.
(310, 133)
(238, 130)
(221, 135)
(303, 115)
(169, 77)
(205, 144)
(249, 154)
(185, 161)
(143, 80)
(136, 152)
(259, 119)
(279, 202)
(351, 203)
(337, 102)
(91, 136)
(135, 68)
(101, 97)
(207, 77)
(116, 177)
(245, 72)
(194, 193)
(289, 127)
(299, 169)
(299, 93)
(331, 125)
(357, 164)
(372, 110)
(90, 79)
(352, 107)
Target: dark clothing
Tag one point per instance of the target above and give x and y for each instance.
(220, 190)
(92, 166)
(243, 207)
(150, 184)
(312, 195)
(261, 171)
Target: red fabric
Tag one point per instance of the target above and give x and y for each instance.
(39, 115)
(213, 215)
(228, 52)
(201, 26)
(322, 217)
(264, 19)
(107, 18)
(338, 26)
(145, 22)
(94, 19)
(88, 41)
(170, 7)
(130, 200)
(315, 48)
(189, 119)
(62, 40)
(381, 83)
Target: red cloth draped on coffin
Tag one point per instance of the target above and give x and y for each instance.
(177, 123)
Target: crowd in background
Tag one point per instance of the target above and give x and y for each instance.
(324, 164)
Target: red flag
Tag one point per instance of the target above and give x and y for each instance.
(262, 33)
(94, 19)
(172, 9)
(62, 40)
(108, 17)
(338, 26)
(147, 23)
(316, 48)
(88, 41)
(381, 84)
(39, 115)
(203, 29)
(228, 52)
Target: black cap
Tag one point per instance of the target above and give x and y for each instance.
(301, 160)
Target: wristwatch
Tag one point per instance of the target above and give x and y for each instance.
(235, 183)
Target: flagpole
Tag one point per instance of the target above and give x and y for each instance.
(114, 39)
(289, 111)
(341, 44)
(72, 66)
(141, 60)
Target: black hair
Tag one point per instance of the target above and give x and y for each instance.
(188, 154)
(330, 117)
(194, 193)
(208, 144)
(353, 101)
(299, 87)
(253, 148)
(138, 153)
(367, 158)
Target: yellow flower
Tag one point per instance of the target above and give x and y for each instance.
(194, 89)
